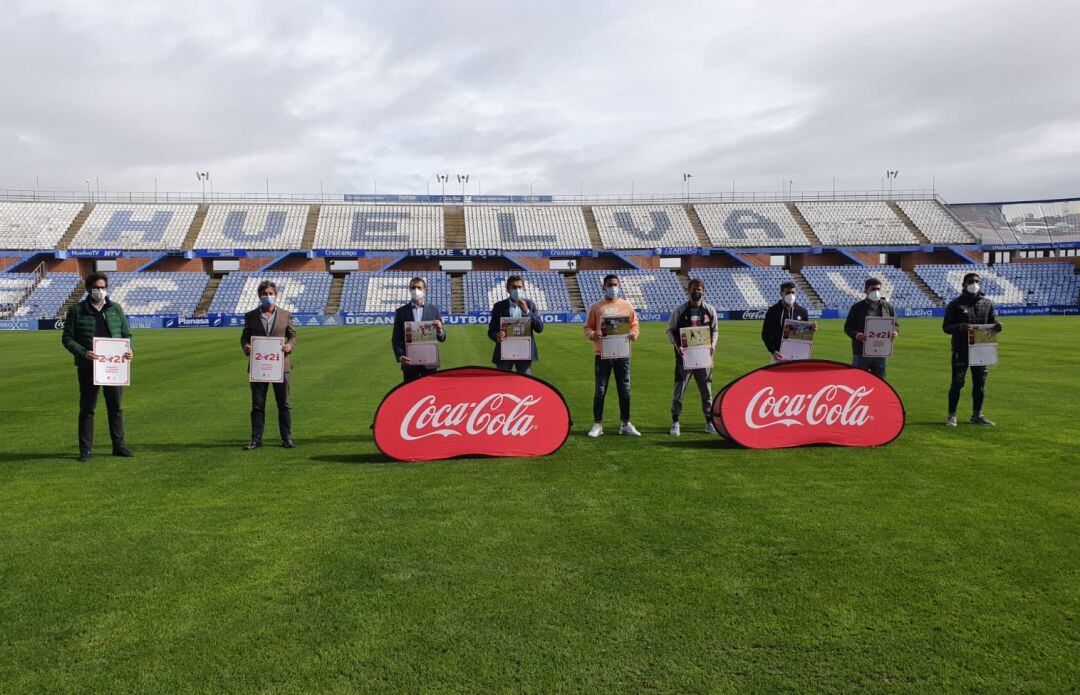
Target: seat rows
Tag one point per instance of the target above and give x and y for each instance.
(856, 223)
(643, 227)
(386, 291)
(301, 292)
(841, 286)
(267, 227)
(1008, 283)
(32, 226)
(142, 227)
(750, 224)
(547, 290)
(49, 296)
(733, 289)
(157, 293)
(932, 220)
(654, 290)
(526, 227)
(384, 227)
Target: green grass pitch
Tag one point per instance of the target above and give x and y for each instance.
(946, 561)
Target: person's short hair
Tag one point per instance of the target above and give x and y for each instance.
(94, 277)
(417, 279)
(785, 286)
(266, 285)
(870, 282)
(514, 278)
(695, 282)
(970, 276)
(609, 276)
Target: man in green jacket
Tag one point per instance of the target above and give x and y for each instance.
(96, 317)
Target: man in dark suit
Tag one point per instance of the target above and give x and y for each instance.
(272, 321)
(417, 309)
(514, 306)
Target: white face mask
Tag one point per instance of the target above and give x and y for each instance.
(416, 293)
(973, 288)
(98, 294)
(873, 295)
(789, 299)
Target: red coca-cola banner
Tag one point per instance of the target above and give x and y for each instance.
(808, 402)
(471, 411)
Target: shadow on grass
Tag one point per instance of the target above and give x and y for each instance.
(11, 457)
(710, 443)
(354, 458)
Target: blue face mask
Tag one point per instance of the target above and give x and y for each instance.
(515, 294)
(611, 291)
(266, 301)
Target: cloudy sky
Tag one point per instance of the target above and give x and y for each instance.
(981, 97)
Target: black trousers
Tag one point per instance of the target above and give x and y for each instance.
(413, 373)
(703, 378)
(523, 366)
(88, 396)
(978, 383)
(603, 370)
(258, 408)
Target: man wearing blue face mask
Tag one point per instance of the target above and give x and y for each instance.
(272, 321)
(514, 306)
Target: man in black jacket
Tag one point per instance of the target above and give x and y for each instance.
(971, 307)
(873, 305)
(514, 306)
(772, 329)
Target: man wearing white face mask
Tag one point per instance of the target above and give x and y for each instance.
(971, 307)
(873, 305)
(517, 305)
(610, 305)
(96, 317)
(270, 320)
(417, 309)
(772, 329)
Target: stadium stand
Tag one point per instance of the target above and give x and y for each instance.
(13, 287)
(644, 226)
(267, 227)
(49, 296)
(732, 289)
(547, 290)
(750, 224)
(1022, 223)
(157, 293)
(383, 227)
(300, 292)
(29, 226)
(841, 286)
(384, 292)
(935, 222)
(142, 227)
(653, 290)
(526, 227)
(851, 223)
(1049, 284)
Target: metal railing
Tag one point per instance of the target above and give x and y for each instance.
(174, 197)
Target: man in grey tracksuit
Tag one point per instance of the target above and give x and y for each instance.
(692, 314)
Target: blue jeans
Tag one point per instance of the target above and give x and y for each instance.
(874, 365)
(603, 367)
(978, 383)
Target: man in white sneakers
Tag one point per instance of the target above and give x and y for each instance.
(611, 305)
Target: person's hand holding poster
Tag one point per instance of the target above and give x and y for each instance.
(982, 345)
(517, 343)
(615, 337)
(879, 336)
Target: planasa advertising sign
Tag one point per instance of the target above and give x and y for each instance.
(471, 411)
(808, 402)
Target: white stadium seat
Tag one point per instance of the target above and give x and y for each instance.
(299, 292)
(384, 292)
(856, 223)
(935, 222)
(750, 224)
(135, 227)
(269, 227)
(526, 227)
(644, 226)
(31, 226)
(385, 227)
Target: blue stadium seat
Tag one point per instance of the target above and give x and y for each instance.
(733, 289)
(654, 290)
(299, 292)
(384, 292)
(546, 289)
(49, 296)
(840, 286)
(1017, 284)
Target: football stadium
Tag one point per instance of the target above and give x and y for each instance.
(419, 437)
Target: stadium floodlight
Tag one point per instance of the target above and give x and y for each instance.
(686, 178)
(463, 179)
(203, 177)
(88, 189)
(891, 174)
(442, 179)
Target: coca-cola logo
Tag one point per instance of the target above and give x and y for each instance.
(808, 402)
(471, 411)
(756, 315)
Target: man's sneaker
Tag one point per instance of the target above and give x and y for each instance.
(981, 419)
(597, 430)
(674, 431)
(709, 429)
(629, 429)
(85, 456)
(951, 420)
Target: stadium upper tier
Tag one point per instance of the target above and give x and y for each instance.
(28, 226)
